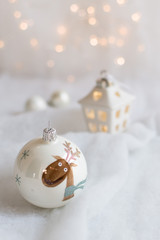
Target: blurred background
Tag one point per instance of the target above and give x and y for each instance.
(50, 45)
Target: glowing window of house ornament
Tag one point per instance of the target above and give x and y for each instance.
(127, 109)
(120, 42)
(102, 116)
(136, 17)
(117, 128)
(59, 48)
(117, 94)
(2, 44)
(97, 95)
(23, 26)
(103, 128)
(74, 8)
(123, 31)
(107, 8)
(90, 113)
(141, 48)
(92, 21)
(111, 39)
(61, 30)
(34, 42)
(118, 114)
(120, 61)
(17, 14)
(90, 10)
(121, 2)
(93, 41)
(124, 123)
(50, 63)
(92, 127)
(102, 41)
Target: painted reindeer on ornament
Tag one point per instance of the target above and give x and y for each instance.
(61, 169)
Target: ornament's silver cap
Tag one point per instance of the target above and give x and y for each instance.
(49, 134)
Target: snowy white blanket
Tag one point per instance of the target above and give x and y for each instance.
(121, 200)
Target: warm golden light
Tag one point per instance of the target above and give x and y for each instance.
(97, 95)
(92, 127)
(50, 63)
(118, 114)
(102, 116)
(117, 128)
(120, 61)
(93, 40)
(117, 94)
(91, 10)
(121, 2)
(12, 1)
(127, 109)
(59, 48)
(107, 8)
(61, 30)
(103, 128)
(102, 41)
(34, 42)
(74, 8)
(2, 44)
(136, 17)
(123, 31)
(124, 123)
(90, 113)
(23, 26)
(17, 14)
(92, 20)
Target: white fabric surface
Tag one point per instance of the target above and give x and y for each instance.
(122, 195)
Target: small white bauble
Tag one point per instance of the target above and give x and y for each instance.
(59, 99)
(35, 103)
(50, 171)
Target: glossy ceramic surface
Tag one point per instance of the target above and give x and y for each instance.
(50, 174)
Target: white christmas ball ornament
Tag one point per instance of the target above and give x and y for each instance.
(35, 103)
(50, 171)
(59, 99)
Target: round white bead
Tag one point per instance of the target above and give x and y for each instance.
(35, 103)
(59, 99)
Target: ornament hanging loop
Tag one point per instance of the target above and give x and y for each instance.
(49, 134)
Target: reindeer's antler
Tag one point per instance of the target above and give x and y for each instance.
(69, 151)
(74, 155)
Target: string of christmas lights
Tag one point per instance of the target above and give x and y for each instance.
(91, 20)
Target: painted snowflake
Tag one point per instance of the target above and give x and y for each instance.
(18, 179)
(25, 154)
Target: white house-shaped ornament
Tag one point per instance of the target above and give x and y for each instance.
(107, 107)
